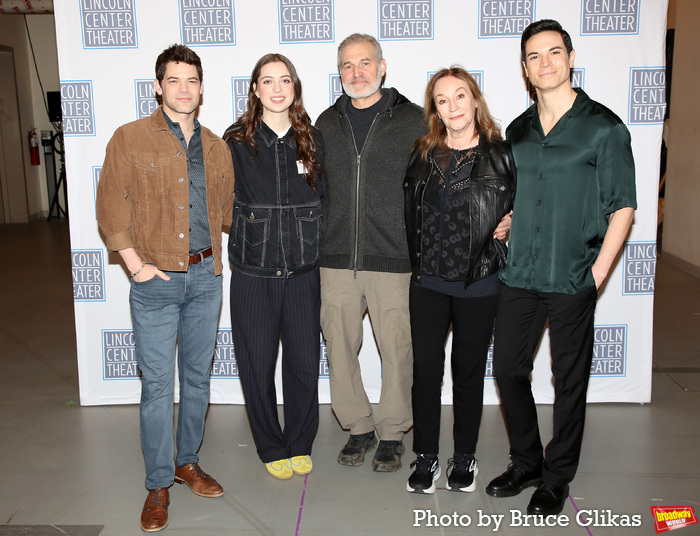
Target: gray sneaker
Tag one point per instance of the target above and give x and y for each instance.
(388, 456)
(353, 453)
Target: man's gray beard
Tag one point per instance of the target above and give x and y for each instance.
(369, 91)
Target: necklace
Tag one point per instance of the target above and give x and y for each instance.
(461, 154)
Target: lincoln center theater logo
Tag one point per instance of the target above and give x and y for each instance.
(96, 172)
(405, 19)
(609, 17)
(577, 80)
(640, 267)
(305, 21)
(87, 267)
(647, 95)
(323, 371)
(239, 89)
(478, 77)
(335, 87)
(504, 18)
(146, 102)
(108, 23)
(489, 362)
(207, 22)
(119, 355)
(224, 365)
(672, 517)
(77, 109)
(609, 351)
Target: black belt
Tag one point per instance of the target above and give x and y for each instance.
(199, 257)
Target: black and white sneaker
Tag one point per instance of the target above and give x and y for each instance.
(461, 473)
(423, 477)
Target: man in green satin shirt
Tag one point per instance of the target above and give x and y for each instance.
(574, 206)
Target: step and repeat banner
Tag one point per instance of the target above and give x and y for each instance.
(107, 51)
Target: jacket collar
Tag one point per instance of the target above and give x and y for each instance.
(158, 123)
(269, 136)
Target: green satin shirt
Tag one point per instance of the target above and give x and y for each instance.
(569, 182)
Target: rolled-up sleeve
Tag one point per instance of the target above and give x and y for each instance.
(615, 171)
(114, 191)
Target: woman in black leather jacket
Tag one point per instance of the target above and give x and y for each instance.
(274, 253)
(459, 184)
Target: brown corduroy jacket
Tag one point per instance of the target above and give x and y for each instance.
(143, 186)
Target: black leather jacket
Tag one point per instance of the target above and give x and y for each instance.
(491, 193)
(276, 230)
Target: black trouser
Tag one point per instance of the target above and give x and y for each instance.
(472, 325)
(519, 324)
(263, 311)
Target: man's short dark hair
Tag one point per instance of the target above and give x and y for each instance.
(545, 25)
(178, 54)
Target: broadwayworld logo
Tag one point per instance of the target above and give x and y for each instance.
(672, 517)
(108, 23)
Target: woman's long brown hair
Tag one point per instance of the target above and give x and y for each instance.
(244, 128)
(484, 123)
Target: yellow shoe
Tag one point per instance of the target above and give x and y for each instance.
(281, 469)
(302, 465)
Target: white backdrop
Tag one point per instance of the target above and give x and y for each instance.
(107, 51)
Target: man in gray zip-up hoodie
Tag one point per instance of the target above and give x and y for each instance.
(368, 135)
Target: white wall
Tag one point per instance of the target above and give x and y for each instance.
(681, 242)
(31, 105)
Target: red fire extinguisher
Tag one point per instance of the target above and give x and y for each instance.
(34, 147)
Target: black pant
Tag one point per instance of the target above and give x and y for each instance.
(263, 311)
(472, 325)
(519, 324)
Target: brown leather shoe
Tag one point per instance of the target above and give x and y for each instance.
(199, 482)
(154, 516)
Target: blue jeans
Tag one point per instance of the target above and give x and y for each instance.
(185, 308)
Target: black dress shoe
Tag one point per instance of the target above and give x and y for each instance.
(512, 482)
(548, 500)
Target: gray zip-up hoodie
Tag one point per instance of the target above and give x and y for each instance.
(363, 226)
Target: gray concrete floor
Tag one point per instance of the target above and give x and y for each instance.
(68, 469)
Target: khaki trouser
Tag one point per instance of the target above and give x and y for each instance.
(344, 299)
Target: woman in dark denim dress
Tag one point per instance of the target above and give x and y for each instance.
(274, 251)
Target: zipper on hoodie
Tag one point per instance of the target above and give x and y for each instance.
(356, 249)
